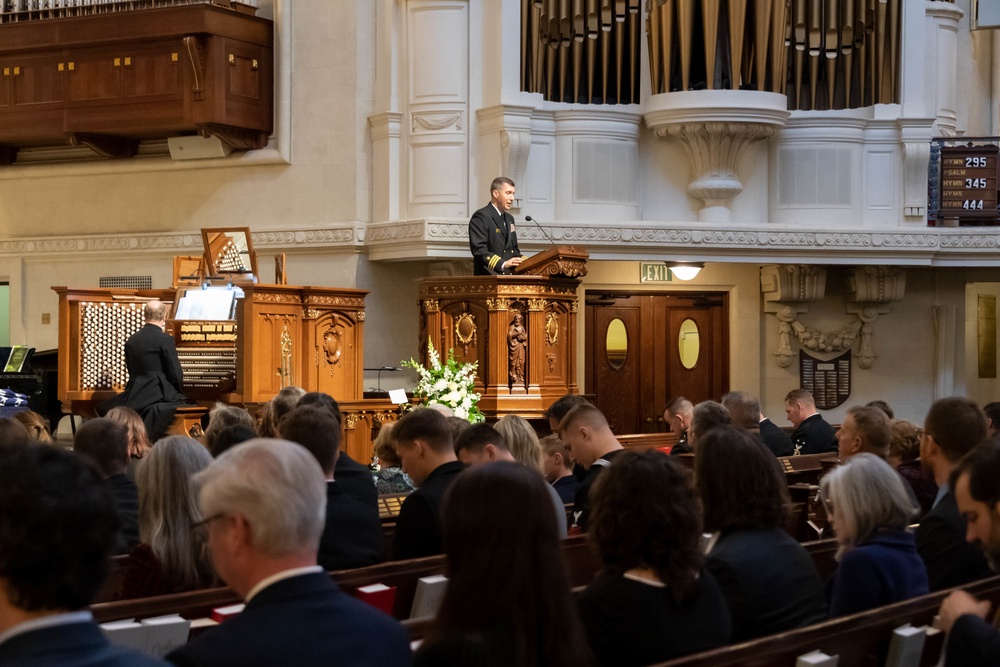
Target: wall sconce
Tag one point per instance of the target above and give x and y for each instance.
(685, 270)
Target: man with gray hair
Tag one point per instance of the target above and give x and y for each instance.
(154, 374)
(264, 504)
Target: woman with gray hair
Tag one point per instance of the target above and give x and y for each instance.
(870, 510)
(172, 557)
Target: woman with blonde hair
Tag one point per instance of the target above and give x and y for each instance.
(390, 477)
(138, 440)
(173, 554)
(870, 510)
(521, 440)
(35, 424)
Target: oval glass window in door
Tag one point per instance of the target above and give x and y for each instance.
(688, 344)
(616, 343)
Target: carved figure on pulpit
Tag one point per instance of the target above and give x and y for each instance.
(517, 340)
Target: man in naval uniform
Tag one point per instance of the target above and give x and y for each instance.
(492, 235)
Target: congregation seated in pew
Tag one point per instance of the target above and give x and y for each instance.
(654, 599)
(171, 557)
(352, 533)
(58, 524)
(869, 508)
(263, 505)
(507, 600)
(769, 581)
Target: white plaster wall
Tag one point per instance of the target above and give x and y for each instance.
(981, 390)
(903, 373)
(328, 179)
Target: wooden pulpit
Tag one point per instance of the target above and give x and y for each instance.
(521, 329)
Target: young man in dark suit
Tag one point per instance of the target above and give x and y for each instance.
(353, 535)
(972, 640)
(492, 234)
(57, 525)
(424, 444)
(953, 426)
(812, 434)
(263, 503)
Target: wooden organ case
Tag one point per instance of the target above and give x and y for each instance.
(279, 335)
(110, 74)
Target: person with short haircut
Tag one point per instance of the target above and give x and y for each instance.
(770, 582)
(678, 415)
(972, 640)
(138, 440)
(557, 466)
(482, 444)
(390, 478)
(654, 600)
(424, 445)
(863, 429)
(744, 409)
(706, 416)
(57, 525)
(508, 596)
(883, 406)
(172, 557)
(458, 427)
(590, 442)
(283, 402)
(555, 414)
(105, 443)
(263, 505)
(992, 413)
(34, 423)
(869, 509)
(230, 436)
(812, 434)
(953, 426)
(352, 535)
(221, 417)
(354, 479)
(492, 233)
(155, 378)
(904, 456)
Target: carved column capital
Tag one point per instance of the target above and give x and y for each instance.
(498, 303)
(430, 305)
(536, 304)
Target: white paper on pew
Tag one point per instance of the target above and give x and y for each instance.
(427, 599)
(906, 646)
(817, 659)
(166, 633)
(126, 633)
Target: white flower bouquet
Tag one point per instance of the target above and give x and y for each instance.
(449, 383)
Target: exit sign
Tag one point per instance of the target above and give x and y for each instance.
(655, 272)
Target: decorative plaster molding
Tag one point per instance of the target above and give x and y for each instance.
(333, 236)
(435, 122)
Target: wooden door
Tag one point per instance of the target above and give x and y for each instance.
(677, 345)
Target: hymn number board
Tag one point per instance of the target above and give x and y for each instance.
(969, 182)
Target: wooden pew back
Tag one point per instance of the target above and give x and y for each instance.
(859, 640)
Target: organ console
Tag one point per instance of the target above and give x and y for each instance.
(239, 342)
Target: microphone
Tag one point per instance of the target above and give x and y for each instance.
(528, 218)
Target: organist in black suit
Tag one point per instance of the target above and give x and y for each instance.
(154, 374)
